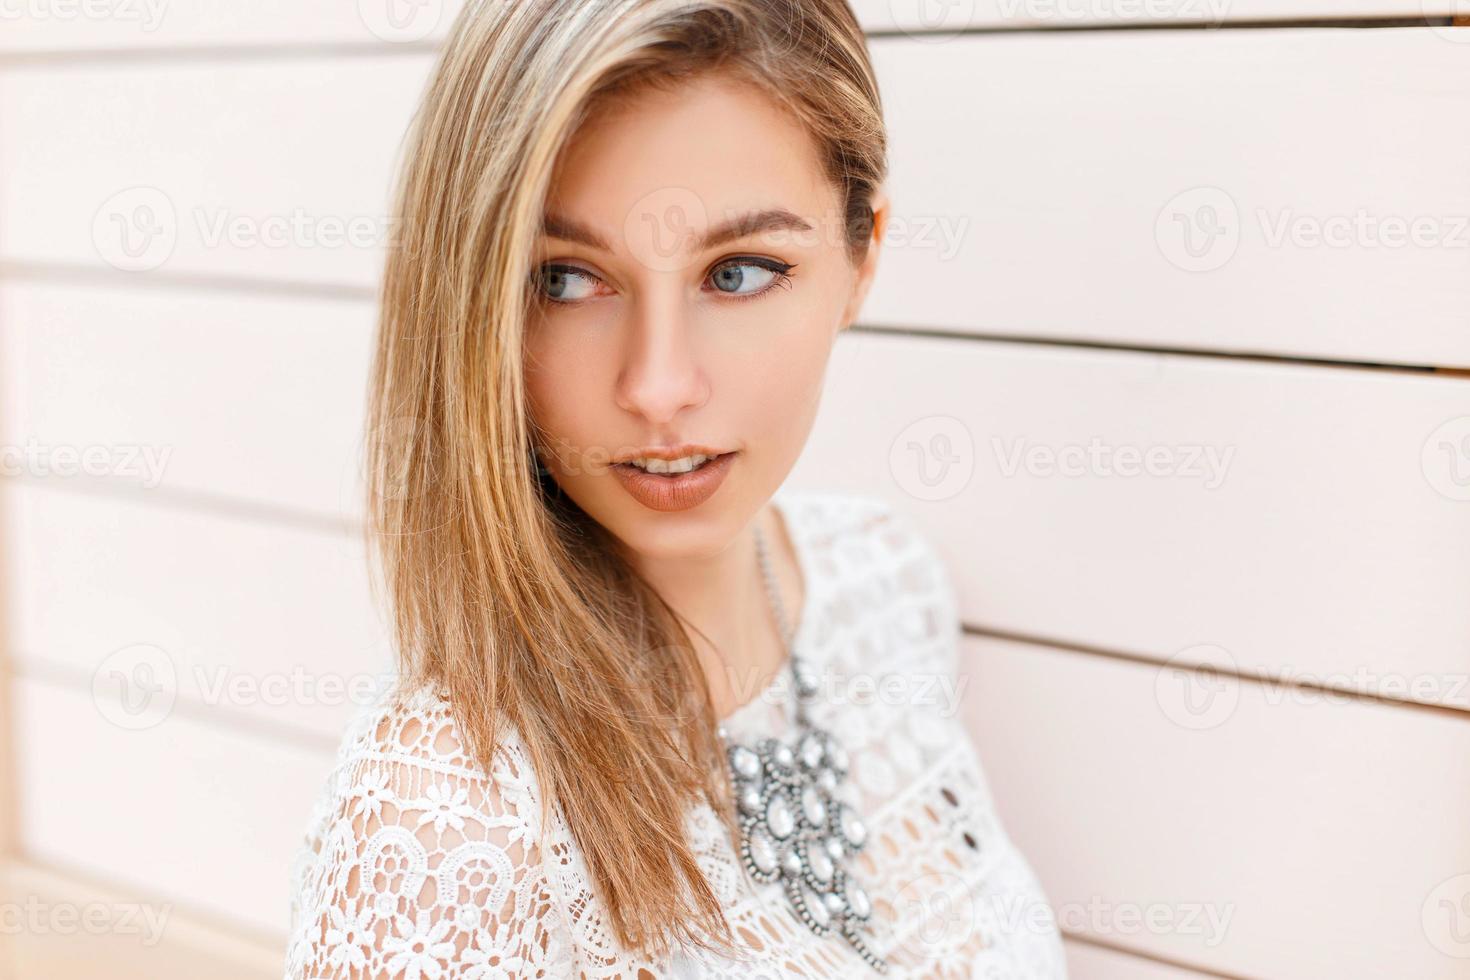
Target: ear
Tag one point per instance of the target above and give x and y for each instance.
(869, 266)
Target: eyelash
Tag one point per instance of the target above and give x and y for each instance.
(780, 269)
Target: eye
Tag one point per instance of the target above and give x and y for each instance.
(565, 283)
(747, 277)
(744, 278)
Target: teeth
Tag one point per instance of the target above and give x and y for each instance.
(683, 465)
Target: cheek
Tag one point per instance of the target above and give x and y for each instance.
(786, 366)
(786, 386)
(777, 382)
(560, 385)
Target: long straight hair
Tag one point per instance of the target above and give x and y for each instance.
(504, 594)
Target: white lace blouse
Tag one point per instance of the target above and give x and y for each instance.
(417, 865)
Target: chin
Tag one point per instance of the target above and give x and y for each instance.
(699, 532)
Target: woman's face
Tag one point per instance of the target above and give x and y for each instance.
(693, 276)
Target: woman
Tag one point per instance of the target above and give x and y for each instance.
(655, 718)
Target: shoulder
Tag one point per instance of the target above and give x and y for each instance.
(826, 515)
(857, 539)
(414, 844)
(873, 531)
(409, 742)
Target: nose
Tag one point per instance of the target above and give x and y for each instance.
(661, 374)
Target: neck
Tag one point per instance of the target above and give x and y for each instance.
(722, 600)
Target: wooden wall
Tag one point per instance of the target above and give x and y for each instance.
(1169, 353)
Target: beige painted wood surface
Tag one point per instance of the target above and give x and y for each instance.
(1292, 192)
(185, 809)
(1323, 545)
(1087, 961)
(81, 930)
(1195, 189)
(1252, 837)
(253, 399)
(149, 25)
(251, 622)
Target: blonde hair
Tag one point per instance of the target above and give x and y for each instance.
(504, 595)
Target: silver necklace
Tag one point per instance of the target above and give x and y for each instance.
(793, 826)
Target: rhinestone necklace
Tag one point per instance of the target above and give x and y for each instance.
(793, 826)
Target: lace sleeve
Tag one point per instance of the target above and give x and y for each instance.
(419, 866)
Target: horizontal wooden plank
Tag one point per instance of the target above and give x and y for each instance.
(235, 618)
(176, 389)
(932, 19)
(1088, 961)
(1292, 841)
(184, 811)
(1197, 190)
(139, 938)
(1327, 245)
(1303, 523)
(263, 169)
(9, 831)
(113, 25)
(121, 25)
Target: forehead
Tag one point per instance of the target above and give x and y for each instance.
(710, 148)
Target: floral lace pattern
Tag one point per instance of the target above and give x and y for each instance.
(418, 865)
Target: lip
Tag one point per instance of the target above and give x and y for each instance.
(679, 492)
(670, 452)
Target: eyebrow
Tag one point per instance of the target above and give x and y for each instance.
(742, 226)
